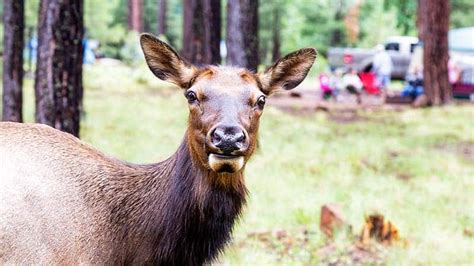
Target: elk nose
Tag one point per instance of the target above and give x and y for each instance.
(228, 138)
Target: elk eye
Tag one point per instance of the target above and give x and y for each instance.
(261, 102)
(191, 96)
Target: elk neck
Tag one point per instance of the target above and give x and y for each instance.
(179, 209)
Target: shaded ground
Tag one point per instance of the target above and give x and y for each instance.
(343, 110)
(305, 100)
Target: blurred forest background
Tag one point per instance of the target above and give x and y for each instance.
(249, 34)
(297, 23)
(413, 166)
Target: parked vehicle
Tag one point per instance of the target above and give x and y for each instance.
(464, 87)
(400, 49)
(462, 50)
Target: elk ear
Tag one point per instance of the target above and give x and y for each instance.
(288, 72)
(165, 62)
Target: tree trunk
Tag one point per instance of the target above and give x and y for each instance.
(276, 34)
(242, 33)
(135, 15)
(419, 17)
(58, 81)
(162, 6)
(337, 33)
(13, 23)
(213, 26)
(434, 29)
(202, 31)
(351, 22)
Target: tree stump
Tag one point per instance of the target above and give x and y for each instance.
(331, 219)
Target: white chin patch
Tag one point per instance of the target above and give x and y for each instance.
(220, 163)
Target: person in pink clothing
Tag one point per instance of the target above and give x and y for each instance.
(454, 72)
(325, 86)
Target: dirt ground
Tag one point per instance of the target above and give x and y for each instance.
(306, 100)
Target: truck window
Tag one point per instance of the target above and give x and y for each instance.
(412, 47)
(392, 46)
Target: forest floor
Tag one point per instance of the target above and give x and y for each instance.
(414, 166)
(307, 100)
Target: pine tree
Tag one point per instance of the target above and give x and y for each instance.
(433, 25)
(202, 31)
(58, 82)
(13, 22)
(242, 33)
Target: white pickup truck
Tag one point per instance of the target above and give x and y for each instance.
(400, 49)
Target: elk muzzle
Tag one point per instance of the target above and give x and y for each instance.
(227, 145)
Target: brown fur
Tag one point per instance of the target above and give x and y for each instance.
(64, 202)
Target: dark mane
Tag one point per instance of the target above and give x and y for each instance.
(183, 218)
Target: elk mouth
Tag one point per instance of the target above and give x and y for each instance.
(223, 163)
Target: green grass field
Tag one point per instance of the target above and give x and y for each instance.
(416, 167)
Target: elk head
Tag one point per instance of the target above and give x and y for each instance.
(225, 103)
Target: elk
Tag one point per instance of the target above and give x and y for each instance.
(64, 202)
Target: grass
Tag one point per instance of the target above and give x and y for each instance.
(407, 165)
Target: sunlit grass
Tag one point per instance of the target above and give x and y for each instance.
(406, 165)
(306, 162)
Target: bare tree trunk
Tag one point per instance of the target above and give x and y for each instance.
(162, 8)
(434, 22)
(213, 26)
(193, 31)
(135, 15)
(13, 22)
(419, 17)
(337, 34)
(242, 33)
(276, 34)
(202, 31)
(351, 22)
(58, 82)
